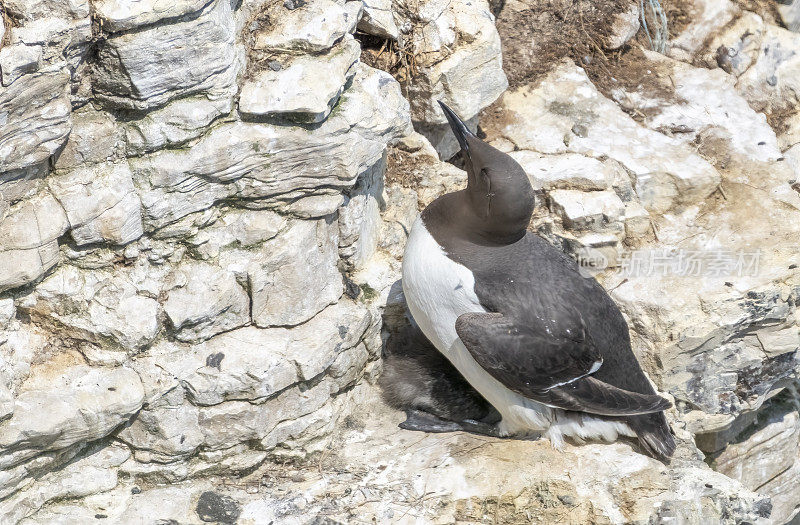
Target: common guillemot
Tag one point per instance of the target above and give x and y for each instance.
(545, 346)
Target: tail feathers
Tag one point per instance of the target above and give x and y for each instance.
(596, 397)
(654, 435)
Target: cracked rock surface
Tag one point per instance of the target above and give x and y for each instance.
(203, 210)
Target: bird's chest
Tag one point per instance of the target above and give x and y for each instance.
(437, 289)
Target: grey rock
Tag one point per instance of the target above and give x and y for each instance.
(784, 492)
(360, 218)
(19, 60)
(265, 161)
(374, 107)
(124, 16)
(217, 508)
(246, 160)
(211, 302)
(763, 456)
(207, 59)
(31, 10)
(565, 171)
(667, 173)
(237, 228)
(96, 306)
(465, 72)
(87, 475)
(6, 401)
(28, 240)
(100, 203)
(16, 185)
(378, 19)
(165, 431)
(734, 47)
(313, 29)
(286, 357)
(7, 312)
(709, 17)
(312, 206)
(36, 119)
(297, 276)
(706, 99)
(587, 210)
(49, 413)
(790, 14)
(95, 138)
(370, 437)
(773, 80)
(292, 92)
(178, 122)
(291, 5)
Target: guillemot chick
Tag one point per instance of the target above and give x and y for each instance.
(418, 379)
(544, 345)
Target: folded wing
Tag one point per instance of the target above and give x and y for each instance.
(549, 361)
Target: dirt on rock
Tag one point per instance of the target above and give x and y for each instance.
(540, 33)
(536, 34)
(679, 13)
(766, 9)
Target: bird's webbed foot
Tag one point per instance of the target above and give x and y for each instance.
(427, 422)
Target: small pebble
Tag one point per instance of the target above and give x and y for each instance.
(214, 507)
(580, 130)
(566, 499)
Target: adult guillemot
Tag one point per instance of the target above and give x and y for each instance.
(545, 346)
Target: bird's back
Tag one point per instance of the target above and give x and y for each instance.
(531, 279)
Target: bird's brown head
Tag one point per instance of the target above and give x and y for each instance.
(499, 192)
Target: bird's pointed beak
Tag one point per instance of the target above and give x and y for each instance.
(460, 129)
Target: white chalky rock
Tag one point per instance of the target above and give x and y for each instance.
(564, 171)
(178, 122)
(378, 19)
(296, 276)
(312, 28)
(96, 306)
(587, 210)
(29, 235)
(572, 116)
(123, 16)
(35, 117)
(101, 203)
(293, 93)
(206, 59)
(211, 302)
(56, 409)
(460, 61)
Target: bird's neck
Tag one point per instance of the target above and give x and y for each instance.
(454, 216)
(501, 217)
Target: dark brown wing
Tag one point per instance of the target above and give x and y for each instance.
(549, 362)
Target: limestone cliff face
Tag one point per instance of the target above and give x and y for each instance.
(203, 204)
